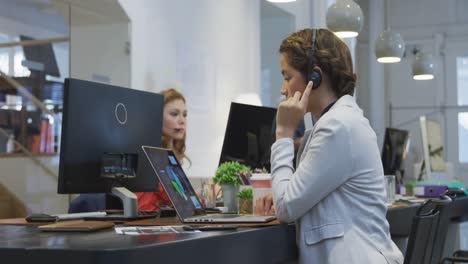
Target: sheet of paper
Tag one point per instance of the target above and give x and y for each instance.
(151, 230)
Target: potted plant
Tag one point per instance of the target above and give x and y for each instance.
(228, 176)
(245, 201)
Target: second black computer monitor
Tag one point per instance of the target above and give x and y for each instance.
(394, 150)
(249, 135)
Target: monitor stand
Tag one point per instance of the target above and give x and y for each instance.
(130, 208)
(129, 201)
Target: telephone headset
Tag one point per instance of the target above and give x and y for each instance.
(314, 74)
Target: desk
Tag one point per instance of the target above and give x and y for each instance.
(273, 244)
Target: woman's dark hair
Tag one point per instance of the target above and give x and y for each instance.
(331, 55)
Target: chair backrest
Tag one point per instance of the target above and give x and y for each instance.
(428, 231)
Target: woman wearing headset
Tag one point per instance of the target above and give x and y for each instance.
(336, 195)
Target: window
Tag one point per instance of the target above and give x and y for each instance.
(11, 58)
(462, 80)
(4, 61)
(4, 55)
(463, 137)
(462, 98)
(18, 69)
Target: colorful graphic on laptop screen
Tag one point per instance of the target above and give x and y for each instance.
(180, 184)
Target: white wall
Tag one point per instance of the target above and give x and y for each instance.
(210, 50)
(98, 51)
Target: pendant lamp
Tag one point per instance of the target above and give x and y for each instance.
(389, 47)
(423, 66)
(345, 18)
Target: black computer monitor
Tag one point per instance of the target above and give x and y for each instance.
(103, 129)
(394, 150)
(249, 135)
(44, 54)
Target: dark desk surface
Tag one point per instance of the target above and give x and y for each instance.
(22, 244)
(273, 244)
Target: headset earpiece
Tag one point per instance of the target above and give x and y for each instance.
(316, 78)
(314, 75)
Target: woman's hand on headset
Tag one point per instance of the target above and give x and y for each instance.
(291, 111)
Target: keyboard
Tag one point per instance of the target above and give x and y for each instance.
(220, 216)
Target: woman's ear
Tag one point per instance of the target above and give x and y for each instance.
(317, 68)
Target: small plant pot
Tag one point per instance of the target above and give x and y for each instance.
(245, 206)
(230, 197)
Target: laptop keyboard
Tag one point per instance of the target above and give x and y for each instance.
(220, 216)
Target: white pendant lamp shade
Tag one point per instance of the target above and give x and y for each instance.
(423, 66)
(345, 18)
(281, 1)
(389, 47)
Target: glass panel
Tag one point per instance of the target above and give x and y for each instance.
(462, 80)
(34, 53)
(463, 137)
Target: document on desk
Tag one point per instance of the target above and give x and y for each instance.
(152, 230)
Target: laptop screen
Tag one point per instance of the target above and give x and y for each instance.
(174, 181)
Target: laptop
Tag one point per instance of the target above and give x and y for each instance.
(181, 193)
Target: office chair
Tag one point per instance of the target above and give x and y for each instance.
(428, 231)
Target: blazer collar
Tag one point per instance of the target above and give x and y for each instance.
(345, 100)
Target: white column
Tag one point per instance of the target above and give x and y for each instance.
(318, 14)
(377, 104)
(210, 50)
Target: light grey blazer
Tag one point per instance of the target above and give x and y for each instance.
(336, 195)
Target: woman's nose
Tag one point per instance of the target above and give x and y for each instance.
(182, 120)
(284, 90)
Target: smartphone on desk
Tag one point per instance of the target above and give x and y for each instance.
(41, 218)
